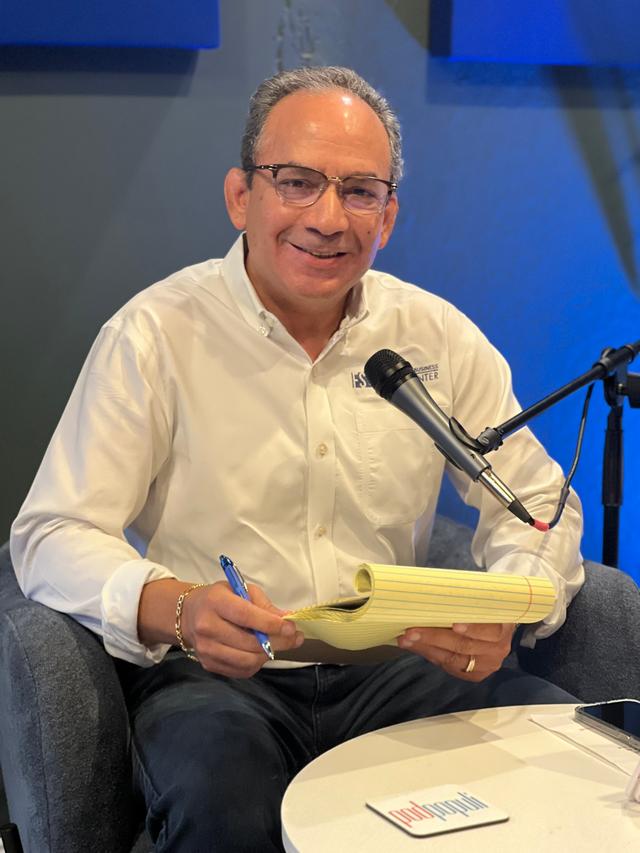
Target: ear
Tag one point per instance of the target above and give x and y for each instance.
(388, 220)
(236, 196)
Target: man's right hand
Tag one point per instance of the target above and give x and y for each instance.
(217, 624)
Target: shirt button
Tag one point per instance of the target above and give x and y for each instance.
(321, 530)
(322, 449)
(263, 331)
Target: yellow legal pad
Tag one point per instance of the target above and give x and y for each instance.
(393, 598)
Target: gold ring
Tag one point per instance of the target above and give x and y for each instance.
(471, 665)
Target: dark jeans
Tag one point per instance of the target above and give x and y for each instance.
(213, 756)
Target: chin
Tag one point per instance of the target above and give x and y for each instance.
(319, 288)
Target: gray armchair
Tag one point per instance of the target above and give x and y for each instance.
(64, 737)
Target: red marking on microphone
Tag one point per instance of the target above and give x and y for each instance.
(540, 525)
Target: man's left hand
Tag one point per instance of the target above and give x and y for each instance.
(470, 652)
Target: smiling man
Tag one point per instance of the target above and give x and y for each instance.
(311, 238)
(223, 410)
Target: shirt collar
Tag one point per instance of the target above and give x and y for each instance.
(356, 308)
(243, 292)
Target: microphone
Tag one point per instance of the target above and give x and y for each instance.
(394, 379)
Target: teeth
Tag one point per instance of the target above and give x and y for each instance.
(320, 254)
(323, 255)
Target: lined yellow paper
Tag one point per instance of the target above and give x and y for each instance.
(393, 598)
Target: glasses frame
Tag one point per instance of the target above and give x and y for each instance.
(274, 168)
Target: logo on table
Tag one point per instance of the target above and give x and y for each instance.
(430, 811)
(442, 810)
(427, 373)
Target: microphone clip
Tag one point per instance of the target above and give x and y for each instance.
(489, 439)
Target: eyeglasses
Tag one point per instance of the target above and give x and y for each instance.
(303, 186)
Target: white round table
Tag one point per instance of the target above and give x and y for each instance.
(559, 798)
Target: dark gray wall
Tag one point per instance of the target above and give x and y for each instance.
(521, 203)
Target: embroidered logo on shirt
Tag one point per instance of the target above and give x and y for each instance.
(427, 373)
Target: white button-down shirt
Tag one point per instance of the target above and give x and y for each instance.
(202, 427)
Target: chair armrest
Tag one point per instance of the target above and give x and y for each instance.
(64, 733)
(595, 655)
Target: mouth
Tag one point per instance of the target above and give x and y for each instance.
(319, 253)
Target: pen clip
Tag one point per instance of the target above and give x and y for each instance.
(229, 566)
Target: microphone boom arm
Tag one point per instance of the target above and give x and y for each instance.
(491, 437)
(611, 367)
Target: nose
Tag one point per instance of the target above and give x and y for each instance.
(327, 215)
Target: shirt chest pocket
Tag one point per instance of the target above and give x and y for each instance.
(396, 478)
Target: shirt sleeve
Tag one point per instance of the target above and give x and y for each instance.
(483, 396)
(68, 543)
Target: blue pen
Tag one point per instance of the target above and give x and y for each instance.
(238, 585)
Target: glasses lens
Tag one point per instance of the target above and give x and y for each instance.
(298, 185)
(364, 195)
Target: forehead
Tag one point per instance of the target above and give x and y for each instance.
(333, 131)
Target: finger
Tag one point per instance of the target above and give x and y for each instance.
(248, 614)
(231, 650)
(456, 658)
(223, 624)
(282, 644)
(458, 664)
(242, 656)
(492, 632)
(225, 660)
(447, 640)
(260, 599)
(210, 625)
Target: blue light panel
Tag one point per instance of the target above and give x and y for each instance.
(553, 32)
(189, 24)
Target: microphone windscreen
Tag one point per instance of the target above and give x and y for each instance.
(386, 371)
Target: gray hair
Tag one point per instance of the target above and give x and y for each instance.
(323, 78)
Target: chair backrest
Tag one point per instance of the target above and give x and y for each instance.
(63, 730)
(450, 546)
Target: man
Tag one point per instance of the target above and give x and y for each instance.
(224, 411)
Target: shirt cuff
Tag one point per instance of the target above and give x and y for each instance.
(566, 586)
(119, 612)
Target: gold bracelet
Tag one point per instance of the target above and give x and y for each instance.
(190, 653)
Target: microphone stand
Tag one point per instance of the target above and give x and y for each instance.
(611, 367)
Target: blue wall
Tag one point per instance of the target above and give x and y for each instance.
(560, 32)
(153, 23)
(521, 204)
